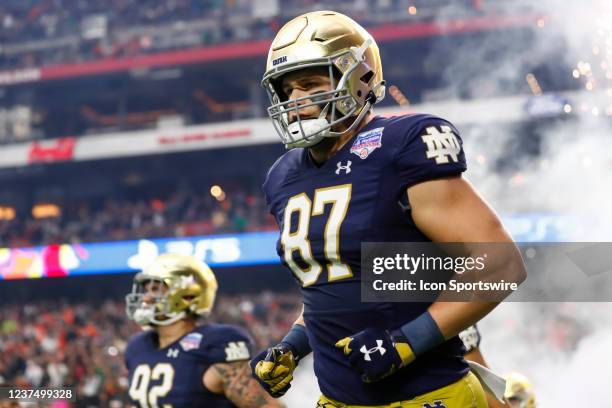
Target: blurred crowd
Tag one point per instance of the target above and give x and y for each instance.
(58, 344)
(43, 32)
(182, 213)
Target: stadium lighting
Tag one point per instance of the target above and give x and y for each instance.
(7, 213)
(46, 211)
(217, 192)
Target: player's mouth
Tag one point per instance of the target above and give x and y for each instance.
(293, 119)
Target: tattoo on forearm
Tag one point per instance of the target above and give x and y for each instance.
(241, 388)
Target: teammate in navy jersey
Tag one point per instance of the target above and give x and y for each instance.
(353, 177)
(176, 363)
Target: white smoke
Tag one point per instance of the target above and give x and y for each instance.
(561, 347)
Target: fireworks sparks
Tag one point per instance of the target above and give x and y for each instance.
(595, 69)
(533, 84)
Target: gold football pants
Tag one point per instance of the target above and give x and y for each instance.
(465, 393)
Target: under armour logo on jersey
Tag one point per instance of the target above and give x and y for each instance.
(379, 348)
(236, 350)
(172, 353)
(437, 404)
(441, 146)
(346, 168)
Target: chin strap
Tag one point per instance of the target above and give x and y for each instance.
(145, 316)
(171, 320)
(356, 122)
(371, 100)
(312, 129)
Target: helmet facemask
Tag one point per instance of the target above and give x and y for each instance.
(169, 301)
(340, 105)
(157, 302)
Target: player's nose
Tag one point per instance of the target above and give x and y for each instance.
(296, 94)
(293, 113)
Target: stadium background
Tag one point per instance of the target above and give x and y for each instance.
(130, 128)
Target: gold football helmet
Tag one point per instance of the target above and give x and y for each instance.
(519, 391)
(171, 288)
(323, 39)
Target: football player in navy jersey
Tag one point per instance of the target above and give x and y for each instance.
(352, 177)
(175, 362)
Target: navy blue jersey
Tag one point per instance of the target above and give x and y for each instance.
(324, 214)
(173, 375)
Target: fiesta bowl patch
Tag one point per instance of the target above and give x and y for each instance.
(367, 142)
(191, 341)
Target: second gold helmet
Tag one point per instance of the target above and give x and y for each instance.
(519, 391)
(186, 287)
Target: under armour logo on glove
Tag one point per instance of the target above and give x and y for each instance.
(366, 352)
(346, 168)
(391, 353)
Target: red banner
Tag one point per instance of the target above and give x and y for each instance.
(52, 151)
